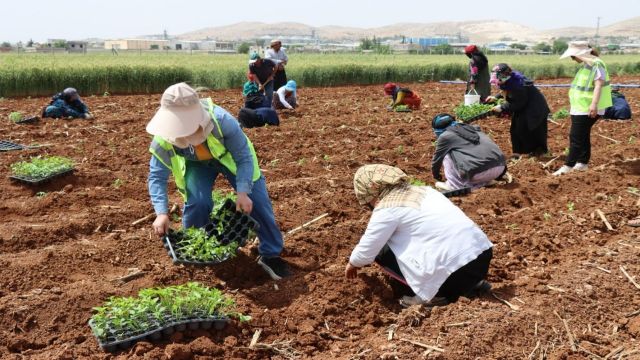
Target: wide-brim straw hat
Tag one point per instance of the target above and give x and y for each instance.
(577, 48)
(180, 113)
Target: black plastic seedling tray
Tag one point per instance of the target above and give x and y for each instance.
(457, 192)
(39, 180)
(236, 227)
(160, 331)
(28, 120)
(9, 146)
(478, 117)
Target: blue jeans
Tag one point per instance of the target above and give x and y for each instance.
(268, 93)
(201, 177)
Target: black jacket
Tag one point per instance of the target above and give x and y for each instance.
(527, 104)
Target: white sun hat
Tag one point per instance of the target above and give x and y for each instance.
(577, 48)
(180, 113)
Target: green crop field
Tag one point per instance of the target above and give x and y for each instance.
(96, 73)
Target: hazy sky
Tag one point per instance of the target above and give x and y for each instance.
(42, 19)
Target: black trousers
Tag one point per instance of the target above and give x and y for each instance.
(528, 141)
(580, 139)
(457, 284)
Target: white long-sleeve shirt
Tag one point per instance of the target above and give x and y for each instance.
(279, 56)
(429, 244)
(282, 96)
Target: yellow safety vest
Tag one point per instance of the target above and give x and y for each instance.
(166, 154)
(581, 92)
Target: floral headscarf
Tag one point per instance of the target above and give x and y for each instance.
(388, 184)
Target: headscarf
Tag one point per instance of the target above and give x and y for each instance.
(441, 122)
(249, 88)
(470, 49)
(390, 88)
(70, 94)
(291, 86)
(505, 78)
(388, 184)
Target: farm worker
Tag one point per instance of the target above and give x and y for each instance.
(478, 72)
(619, 110)
(528, 109)
(262, 116)
(263, 71)
(287, 96)
(589, 96)
(253, 98)
(67, 104)
(195, 140)
(402, 96)
(470, 157)
(277, 54)
(419, 238)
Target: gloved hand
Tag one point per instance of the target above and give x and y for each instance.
(497, 109)
(88, 116)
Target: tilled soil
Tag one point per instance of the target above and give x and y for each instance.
(63, 245)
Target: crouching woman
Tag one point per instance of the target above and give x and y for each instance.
(419, 238)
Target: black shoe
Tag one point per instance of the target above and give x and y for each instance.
(275, 267)
(482, 287)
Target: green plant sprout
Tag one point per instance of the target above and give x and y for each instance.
(15, 116)
(118, 183)
(301, 161)
(400, 149)
(560, 114)
(417, 182)
(571, 206)
(42, 167)
(41, 194)
(546, 216)
(196, 245)
(325, 157)
(466, 112)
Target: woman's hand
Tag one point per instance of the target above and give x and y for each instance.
(497, 109)
(350, 271)
(161, 224)
(244, 203)
(593, 111)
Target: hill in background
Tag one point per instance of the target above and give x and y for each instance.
(484, 31)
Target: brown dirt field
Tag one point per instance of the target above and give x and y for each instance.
(59, 253)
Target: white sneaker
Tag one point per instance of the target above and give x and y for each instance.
(581, 167)
(441, 185)
(563, 170)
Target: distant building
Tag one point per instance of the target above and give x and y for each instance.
(427, 42)
(136, 44)
(76, 46)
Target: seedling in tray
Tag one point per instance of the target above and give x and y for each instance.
(40, 169)
(468, 113)
(158, 312)
(218, 241)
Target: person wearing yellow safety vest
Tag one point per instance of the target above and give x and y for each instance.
(195, 140)
(589, 96)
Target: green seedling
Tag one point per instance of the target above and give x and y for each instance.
(466, 112)
(417, 182)
(571, 206)
(118, 183)
(274, 162)
(219, 198)
(400, 149)
(512, 227)
(41, 194)
(42, 167)
(325, 157)
(560, 114)
(196, 245)
(15, 116)
(301, 161)
(123, 317)
(106, 93)
(566, 151)
(633, 190)
(546, 216)
(632, 140)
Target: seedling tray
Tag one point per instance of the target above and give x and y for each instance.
(28, 120)
(478, 117)
(160, 331)
(9, 146)
(457, 192)
(236, 228)
(39, 180)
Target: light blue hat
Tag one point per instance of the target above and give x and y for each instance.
(291, 86)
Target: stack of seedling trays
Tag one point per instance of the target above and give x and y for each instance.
(478, 117)
(9, 146)
(217, 242)
(158, 313)
(41, 169)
